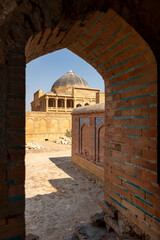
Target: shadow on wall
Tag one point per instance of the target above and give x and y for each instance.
(56, 214)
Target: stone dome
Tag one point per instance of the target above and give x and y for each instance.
(70, 79)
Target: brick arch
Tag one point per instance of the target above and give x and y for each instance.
(128, 67)
(100, 144)
(84, 140)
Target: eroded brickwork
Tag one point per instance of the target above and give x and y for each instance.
(129, 69)
(12, 161)
(88, 136)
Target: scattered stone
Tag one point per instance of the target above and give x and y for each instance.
(113, 223)
(123, 223)
(63, 140)
(32, 237)
(98, 219)
(89, 232)
(33, 145)
(107, 208)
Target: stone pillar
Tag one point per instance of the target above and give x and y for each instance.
(65, 104)
(46, 103)
(56, 101)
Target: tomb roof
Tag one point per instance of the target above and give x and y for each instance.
(89, 108)
(70, 79)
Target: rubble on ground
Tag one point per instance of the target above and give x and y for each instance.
(33, 145)
(63, 140)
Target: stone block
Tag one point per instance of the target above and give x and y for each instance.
(107, 208)
(90, 232)
(98, 219)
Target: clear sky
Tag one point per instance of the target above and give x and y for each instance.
(44, 71)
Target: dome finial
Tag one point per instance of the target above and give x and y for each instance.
(70, 71)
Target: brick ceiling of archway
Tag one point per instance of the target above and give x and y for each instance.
(22, 19)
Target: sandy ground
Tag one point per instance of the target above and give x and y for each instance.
(58, 195)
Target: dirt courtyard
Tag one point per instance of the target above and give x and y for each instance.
(58, 195)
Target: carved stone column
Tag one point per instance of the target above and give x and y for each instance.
(56, 101)
(65, 104)
(46, 103)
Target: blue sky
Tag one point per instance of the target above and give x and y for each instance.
(44, 71)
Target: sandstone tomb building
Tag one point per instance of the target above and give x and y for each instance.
(51, 112)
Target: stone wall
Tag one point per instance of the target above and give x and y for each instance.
(42, 125)
(88, 134)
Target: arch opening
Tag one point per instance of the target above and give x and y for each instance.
(56, 106)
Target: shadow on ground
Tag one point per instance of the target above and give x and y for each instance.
(53, 216)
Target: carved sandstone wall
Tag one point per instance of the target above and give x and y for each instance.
(42, 125)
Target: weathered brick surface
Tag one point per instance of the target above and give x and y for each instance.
(11, 186)
(131, 113)
(88, 136)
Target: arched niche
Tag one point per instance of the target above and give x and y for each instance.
(42, 125)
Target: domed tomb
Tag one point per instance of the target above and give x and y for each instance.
(70, 79)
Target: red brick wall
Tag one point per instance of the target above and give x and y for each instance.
(84, 140)
(129, 70)
(87, 140)
(12, 151)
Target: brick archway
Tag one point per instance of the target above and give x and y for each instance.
(84, 139)
(100, 144)
(129, 69)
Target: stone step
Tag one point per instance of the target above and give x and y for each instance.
(113, 223)
(89, 232)
(107, 208)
